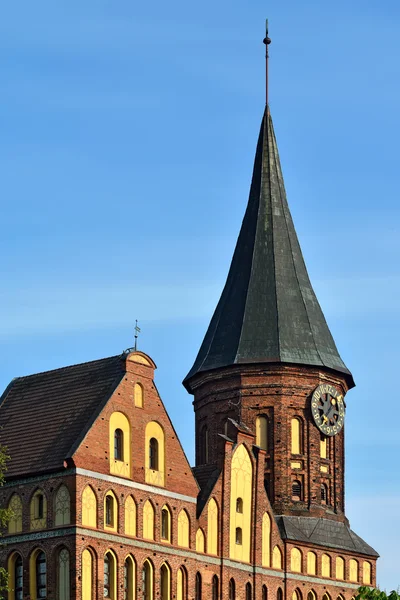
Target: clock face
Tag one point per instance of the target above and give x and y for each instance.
(328, 409)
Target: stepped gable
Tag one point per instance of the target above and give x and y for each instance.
(56, 408)
(268, 311)
(323, 532)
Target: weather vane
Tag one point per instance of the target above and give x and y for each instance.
(137, 331)
(267, 42)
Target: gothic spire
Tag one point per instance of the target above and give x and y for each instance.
(268, 311)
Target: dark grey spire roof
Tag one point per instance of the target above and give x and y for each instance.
(268, 311)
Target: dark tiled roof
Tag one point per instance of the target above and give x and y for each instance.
(268, 311)
(44, 416)
(206, 476)
(323, 532)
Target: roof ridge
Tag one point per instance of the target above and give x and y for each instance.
(88, 362)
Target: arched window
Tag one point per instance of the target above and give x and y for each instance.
(264, 593)
(296, 490)
(15, 577)
(311, 563)
(297, 438)
(118, 444)
(239, 536)
(200, 541)
(326, 565)
(367, 573)
(153, 454)
(266, 540)
(87, 575)
(148, 520)
(215, 588)
(296, 595)
(147, 581)
(181, 584)
(326, 596)
(239, 506)
(232, 589)
(198, 587)
(353, 570)
(62, 506)
(165, 582)
(139, 395)
(41, 575)
(295, 560)
(277, 558)
(165, 524)
(262, 432)
(110, 576)
(248, 591)
(311, 595)
(15, 522)
(183, 529)
(339, 567)
(212, 532)
(324, 494)
(110, 512)
(130, 516)
(324, 447)
(89, 507)
(203, 446)
(38, 510)
(63, 575)
(279, 594)
(129, 579)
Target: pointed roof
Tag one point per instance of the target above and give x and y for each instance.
(268, 311)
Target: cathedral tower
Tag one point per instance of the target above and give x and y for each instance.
(268, 362)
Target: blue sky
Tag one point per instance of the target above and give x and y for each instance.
(128, 133)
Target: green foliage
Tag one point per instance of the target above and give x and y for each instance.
(367, 593)
(5, 515)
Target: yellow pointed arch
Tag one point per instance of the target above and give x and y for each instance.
(181, 584)
(15, 522)
(311, 595)
(130, 512)
(120, 464)
(89, 507)
(15, 579)
(38, 510)
(212, 527)
(148, 520)
(295, 560)
(200, 541)
(183, 529)
(87, 575)
(311, 563)
(148, 579)
(166, 524)
(155, 454)
(339, 572)
(110, 511)
(241, 489)
(266, 540)
(165, 581)
(111, 559)
(130, 578)
(277, 558)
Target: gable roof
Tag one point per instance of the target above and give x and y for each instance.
(44, 416)
(323, 532)
(268, 311)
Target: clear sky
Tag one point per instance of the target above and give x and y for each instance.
(128, 132)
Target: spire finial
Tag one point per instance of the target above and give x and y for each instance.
(137, 331)
(266, 41)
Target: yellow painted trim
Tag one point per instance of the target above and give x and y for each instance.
(155, 477)
(326, 565)
(324, 469)
(296, 464)
(114, 573)
(262, 432)
(183, 529)
(169, 517)
(200, 541)
(89, 507)
(339, 568)
(130, 513)
(367, 576)
(324, 447)
(212, 527)
(138, 394)
(36, 522)
(296, 445)
(15, 522)
(165, 593)
(120, 467)
(140, 359)
(353, 570)
(32, 572)
(151, 577)
(114, 526)
(12, 559)
(241, 487)
(148, 520)
(62, 506)
(131, 576)
(180, 585)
